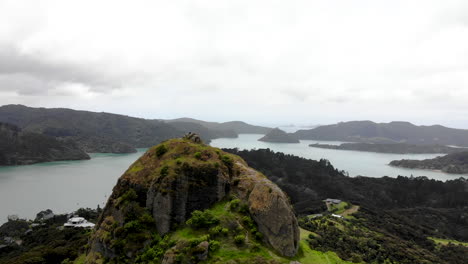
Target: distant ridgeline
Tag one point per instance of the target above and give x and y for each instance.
(112, 133)
(393, 132)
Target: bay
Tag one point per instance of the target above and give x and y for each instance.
(68, 185)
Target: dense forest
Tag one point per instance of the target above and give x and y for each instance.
(19, 148)
(451, 163)
(307, 182)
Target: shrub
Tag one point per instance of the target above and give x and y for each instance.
(161, 150)
(214, 231)
(195, 241)
(197, 155)
(234, 204)
(248, 221)
(258, 235)
(214, 245)
(244, 209)
(227, 160)
(164, 171)
(225, 231)
(239, 239)
(202, 219)
(128, 196)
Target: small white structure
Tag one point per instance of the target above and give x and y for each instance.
(337, 216)
(332, 201)
(79, 222)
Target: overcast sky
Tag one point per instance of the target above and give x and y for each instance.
(264, 62)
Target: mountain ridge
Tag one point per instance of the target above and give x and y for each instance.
(393, 132)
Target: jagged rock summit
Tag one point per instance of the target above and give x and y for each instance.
(162, 189)
(279, 136)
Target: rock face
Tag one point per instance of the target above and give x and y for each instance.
(22, 148)
(279, 136)
(175, 178)
(270, 208)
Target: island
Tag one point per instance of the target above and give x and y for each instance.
(398, 148)
(456, 163)
(279, 136)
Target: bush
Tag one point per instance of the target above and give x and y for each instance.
(225, 231)
(161, 150)
(203, 219)
(227, 160)
(128, 196)
(234, 204)
(214, 245)
(197, 155)
(164, 171)
(244, 209)
(239, 239)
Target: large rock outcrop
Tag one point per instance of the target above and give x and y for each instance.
(179, 176)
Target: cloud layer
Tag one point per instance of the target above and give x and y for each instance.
(270, 62)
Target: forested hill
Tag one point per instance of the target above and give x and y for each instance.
(105, 132)
(20, 148)
(237, 127)
(90, 129)
(452, 163)
(393, 132)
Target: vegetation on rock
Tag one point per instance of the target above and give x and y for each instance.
(173, 186)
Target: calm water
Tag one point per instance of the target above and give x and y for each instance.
(61, 186)
(354, 162)
(67, 186)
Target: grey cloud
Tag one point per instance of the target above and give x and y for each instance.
(33, 74)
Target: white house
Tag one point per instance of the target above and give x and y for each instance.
(79, 222)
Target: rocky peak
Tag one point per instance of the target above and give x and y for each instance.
(179, 176)
(195, 138)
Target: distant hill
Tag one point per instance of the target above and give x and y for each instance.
(451, 163)
(22, 148)
(105, 132)
(279, 136)
(393, 132)
(207, 133)
(238, 127)
(399, 148)
(85, 125)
